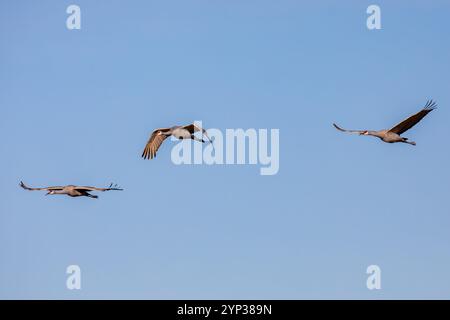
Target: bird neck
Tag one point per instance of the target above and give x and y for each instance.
(374, 133)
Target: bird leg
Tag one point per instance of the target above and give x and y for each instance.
(90, 195)
(405, 140)
(197, 139)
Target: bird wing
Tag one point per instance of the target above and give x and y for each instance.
(348, 131)
(192, 128)
(35, 189)
(410, 122)
(87, 188)
(153, 144)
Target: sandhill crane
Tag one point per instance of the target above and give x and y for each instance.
(393, 135)
(180, 132)
(72, 191)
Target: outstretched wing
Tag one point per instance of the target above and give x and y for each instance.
(192, 128)
(153, 144)
(35, 189)
(407, 124)
(348, 131)
(86, 188)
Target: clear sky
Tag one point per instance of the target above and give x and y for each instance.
(77, 107)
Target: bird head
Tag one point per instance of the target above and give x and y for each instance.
(50, 192)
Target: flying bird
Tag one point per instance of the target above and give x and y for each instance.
(394, 134)
(180, 132)
(72, 191)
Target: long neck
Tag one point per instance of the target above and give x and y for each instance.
(374, 133)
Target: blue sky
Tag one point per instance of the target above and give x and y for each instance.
(77, 107)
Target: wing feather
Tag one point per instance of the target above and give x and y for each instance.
(348, 131)
(410, 122)
(87, 188)
(36, 189)
(192, 128)
(153, 144)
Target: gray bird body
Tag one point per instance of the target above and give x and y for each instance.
(393, 135)
(386, 136)
(180, 132)
(71, 190)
